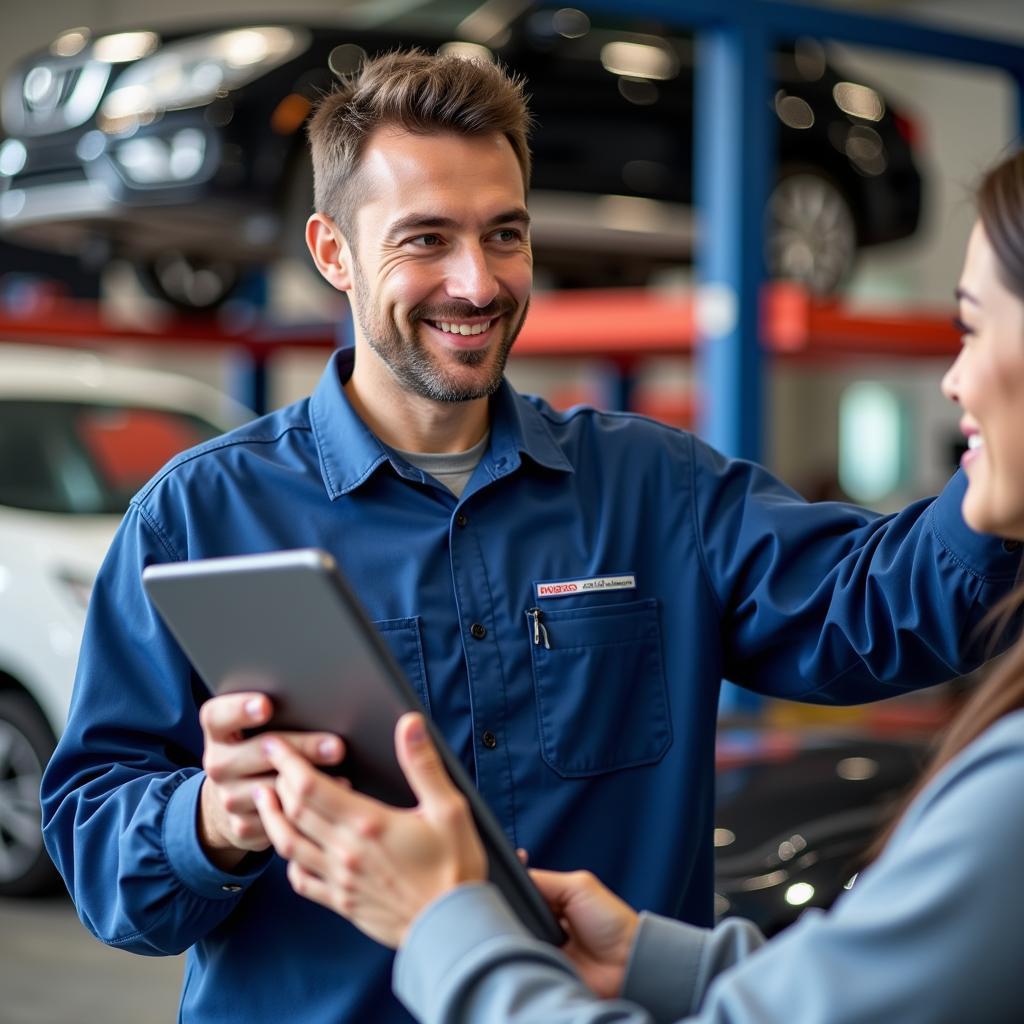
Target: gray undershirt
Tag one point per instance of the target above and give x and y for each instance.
(451, 469)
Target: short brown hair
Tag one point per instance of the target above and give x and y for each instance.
(420, 93)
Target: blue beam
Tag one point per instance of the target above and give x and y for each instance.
(734, 149)
(792, 20)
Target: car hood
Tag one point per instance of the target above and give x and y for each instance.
(67, 543)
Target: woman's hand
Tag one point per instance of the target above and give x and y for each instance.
(377, 865)
(600, 927)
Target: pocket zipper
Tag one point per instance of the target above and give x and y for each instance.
(540, 631)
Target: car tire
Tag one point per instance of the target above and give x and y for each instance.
(811, 231)
(26, 743)
(189, 283)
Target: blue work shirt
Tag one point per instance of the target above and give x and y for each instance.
(659, 567)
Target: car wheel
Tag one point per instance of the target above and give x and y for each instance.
(812, 235)
(189, 283)
(26, 742)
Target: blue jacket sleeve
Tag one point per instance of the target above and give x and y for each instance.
(931, 931)
(831, 603)
(120, 793)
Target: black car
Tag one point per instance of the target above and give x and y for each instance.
(184, 150)
(794, 817)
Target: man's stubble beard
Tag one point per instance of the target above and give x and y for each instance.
(415, 368)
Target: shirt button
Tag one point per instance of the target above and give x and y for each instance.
(461, 519)
(231, 888)
(490, 741)
(478, 631)
(1011, 546)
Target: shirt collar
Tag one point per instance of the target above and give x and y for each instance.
(518, 428)
(350, 452)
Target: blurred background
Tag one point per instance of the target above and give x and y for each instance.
(154, 290)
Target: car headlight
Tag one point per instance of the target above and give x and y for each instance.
(193, 72)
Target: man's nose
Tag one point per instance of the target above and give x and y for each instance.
(470, 277)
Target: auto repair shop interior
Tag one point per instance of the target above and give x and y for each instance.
(747, 223)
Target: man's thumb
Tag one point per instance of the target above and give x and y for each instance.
(420, 761)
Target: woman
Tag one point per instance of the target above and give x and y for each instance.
(934, 929)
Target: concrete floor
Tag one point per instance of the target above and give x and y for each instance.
(52, 971)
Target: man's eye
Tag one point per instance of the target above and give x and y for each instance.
(426, 241)
(507, 235)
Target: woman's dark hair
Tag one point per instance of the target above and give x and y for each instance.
(1000, 204)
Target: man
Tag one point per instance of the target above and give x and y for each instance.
(565, 590)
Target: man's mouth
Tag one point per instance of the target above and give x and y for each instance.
(466, 330)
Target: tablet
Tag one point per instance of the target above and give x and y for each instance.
(288, 625)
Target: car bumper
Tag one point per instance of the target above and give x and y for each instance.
(72, 216)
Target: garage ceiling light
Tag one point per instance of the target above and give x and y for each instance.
(70, 43)
(639, 60)
(799, 893)
(468, 51)
(858, 101)
(125, 46)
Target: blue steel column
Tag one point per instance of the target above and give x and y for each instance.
(734, 165)
(733, 169)
(248, 381)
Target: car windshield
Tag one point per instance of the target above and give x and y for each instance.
(86, 459)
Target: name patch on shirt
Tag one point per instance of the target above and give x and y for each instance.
(566, 588)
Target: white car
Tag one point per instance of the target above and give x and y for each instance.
(79, 434)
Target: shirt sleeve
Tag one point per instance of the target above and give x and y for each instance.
(831, 603)
(120, 793)
(672, 963)
(931, 931)
(467, 959)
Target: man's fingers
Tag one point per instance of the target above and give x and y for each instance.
(317, 747)
(229, 761)
(225, 716)
(424, 770)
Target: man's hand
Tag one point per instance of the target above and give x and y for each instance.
(228, 825)
(600, 926)
(376, 865)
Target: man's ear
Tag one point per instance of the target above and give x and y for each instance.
(330, 251)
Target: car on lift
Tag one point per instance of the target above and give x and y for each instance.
(79, 434)
(183, 150)
(795, 815)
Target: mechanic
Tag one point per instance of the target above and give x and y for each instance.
(930, 932)
(564, 589)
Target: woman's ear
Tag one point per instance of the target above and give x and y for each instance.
(331, 253)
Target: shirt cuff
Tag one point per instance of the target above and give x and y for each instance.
(664, 966)
(188, 859)
(451, 931)
(981, 553)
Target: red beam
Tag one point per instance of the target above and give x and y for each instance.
(625, 326)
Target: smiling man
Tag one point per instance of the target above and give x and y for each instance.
(564, 590)
(437, 262)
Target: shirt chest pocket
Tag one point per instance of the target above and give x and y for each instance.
(403, 637)
(602, 702)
